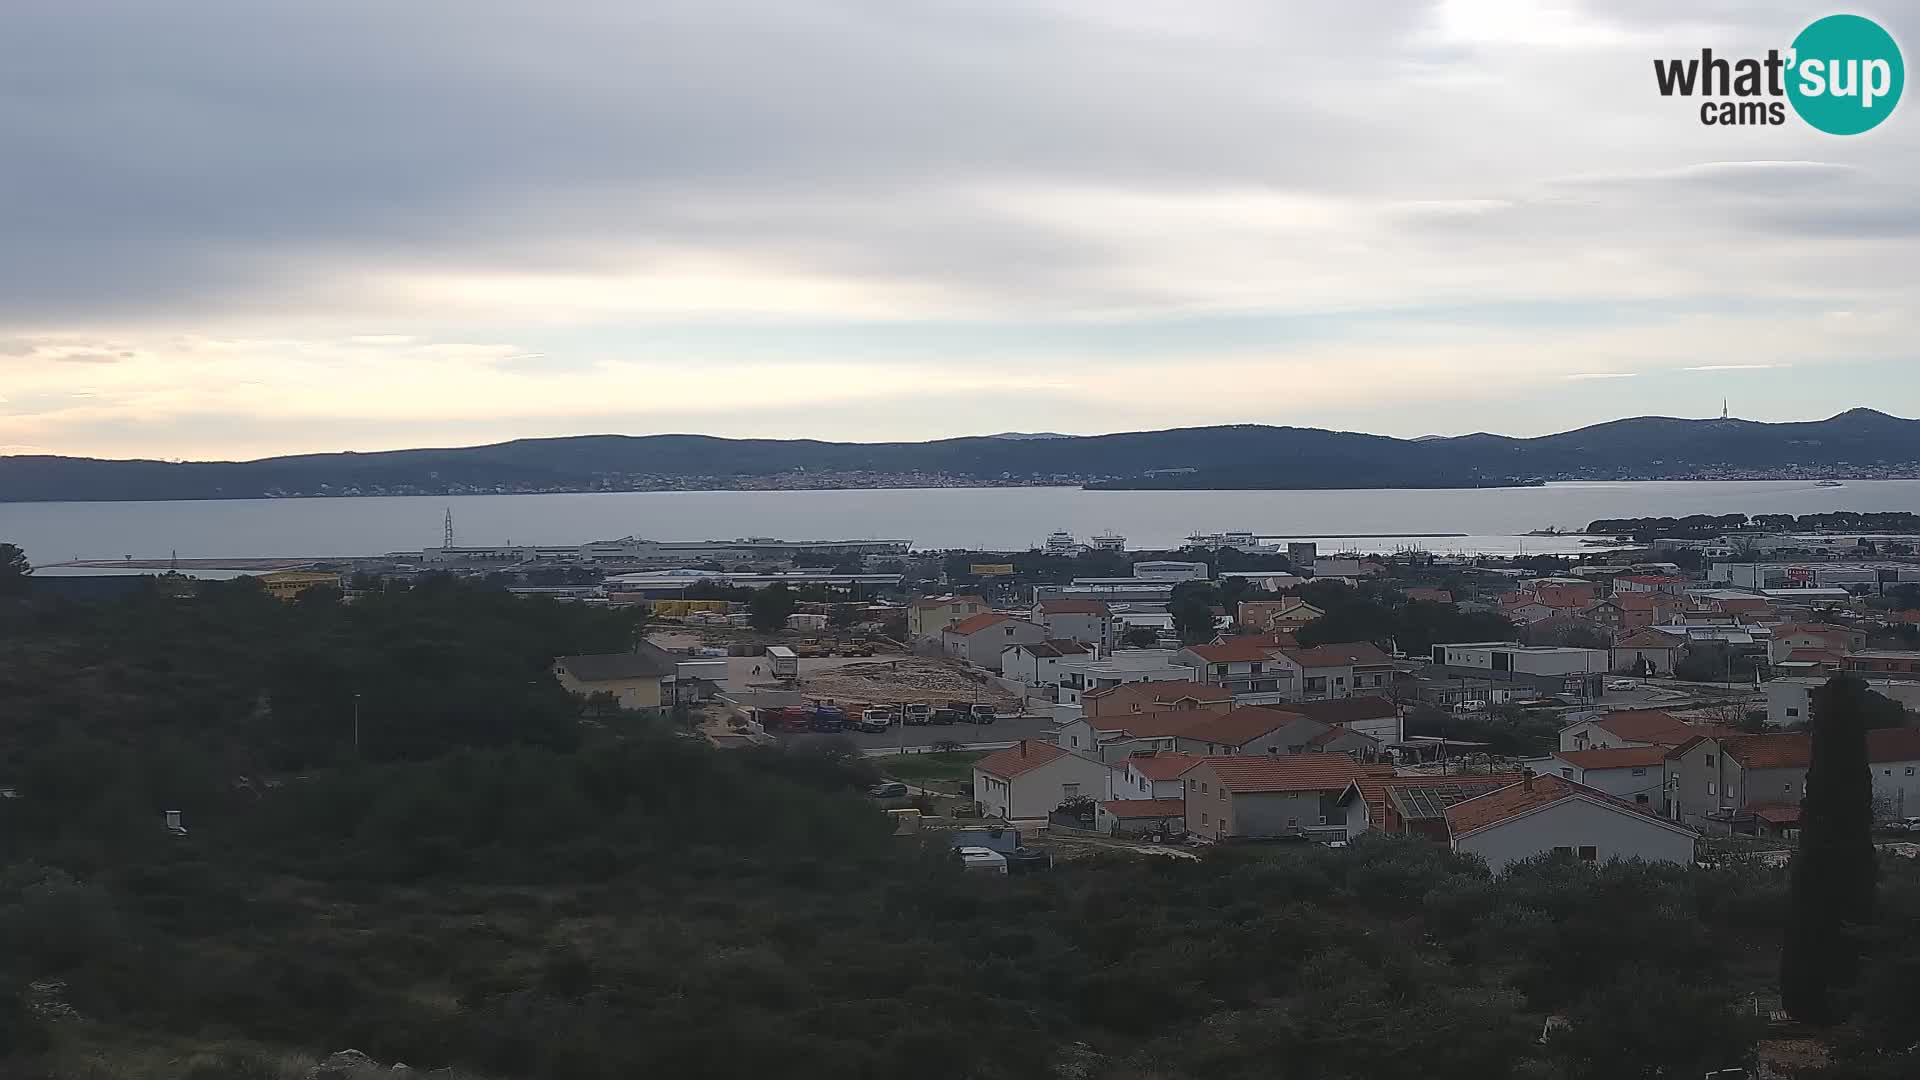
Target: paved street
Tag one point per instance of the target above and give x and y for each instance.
(1000, 732)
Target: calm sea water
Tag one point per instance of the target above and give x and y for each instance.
(987, 518)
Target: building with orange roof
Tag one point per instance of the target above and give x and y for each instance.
(1825, 637)
(1646, 653)
(1412, 805)
(1152, 774)
(929, 616)
(1629, 727)
(1634, 773)
(1158, 695)
(1165, 818)
(1031, 778)
(1713, 780)
(1537, 815)
(980, 639)
(1251, 796)
(1089, 622)
(1114, 738)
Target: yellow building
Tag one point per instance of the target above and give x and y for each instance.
(637, 680)
(287, 584)
(930, 616)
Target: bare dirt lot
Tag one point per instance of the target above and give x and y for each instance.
(899, 680)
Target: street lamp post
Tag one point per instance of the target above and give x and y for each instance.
(356, 723)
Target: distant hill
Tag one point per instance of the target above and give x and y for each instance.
(1247, 456)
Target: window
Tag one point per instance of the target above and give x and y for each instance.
(1203, 788)
(1793, 712)
(1787, 788)
(1589, 853)
(1568, 773)
(1710, 788)
(1709, 761)
(1639, 772)
(1563, 851)
(1203, 817)
(1339, 680)
(1275, 750)
(1069, 791)
(1073, 740)
(1909, 770)
(1641, 799)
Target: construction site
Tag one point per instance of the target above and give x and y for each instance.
(905, 679)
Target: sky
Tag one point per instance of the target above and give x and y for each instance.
(237, 228)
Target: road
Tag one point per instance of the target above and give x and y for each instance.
(1003, 732)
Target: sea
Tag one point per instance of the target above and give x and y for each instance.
(1461, 521)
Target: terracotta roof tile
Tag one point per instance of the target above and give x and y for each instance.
(1338, 655)
(1653, 726)
(1775, 813)
(1782, 751)
(1164, 765)
(1145, 808)
(1022, 757)
(1073, 607)
(1893, 744)
(973, 624)
(1236, 650)
(1286, 772)
(1630, 757)
(1241, 726)
(1153, 725)
(1345, 710)
(1161, 691)
(1527, 795)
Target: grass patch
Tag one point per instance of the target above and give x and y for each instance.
(921, 769)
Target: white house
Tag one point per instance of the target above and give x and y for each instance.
(1633, 773)
(1335, 671)
(1541, 814)
(1042, 663)
(1152, 775)
(1089, 622)
(979, 640)
(1893, 756)
(1029, 779)
(1646, 652)
(1372, 715)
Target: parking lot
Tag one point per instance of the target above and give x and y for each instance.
(1003, 730)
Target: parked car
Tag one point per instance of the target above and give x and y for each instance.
(1470, 706)
(1622, 684)
(1028, 860)
(891, 789)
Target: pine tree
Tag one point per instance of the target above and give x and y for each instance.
(1833, 871)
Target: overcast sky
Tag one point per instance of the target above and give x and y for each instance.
(232, 228)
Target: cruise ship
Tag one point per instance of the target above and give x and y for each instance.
(1109, 542)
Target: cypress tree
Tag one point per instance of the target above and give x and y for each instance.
(1833, 870)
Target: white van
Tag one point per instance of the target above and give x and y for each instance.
(982, 860)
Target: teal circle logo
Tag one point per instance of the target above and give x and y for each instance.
(1847, 75)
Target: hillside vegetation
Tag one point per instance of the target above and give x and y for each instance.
(501, 888)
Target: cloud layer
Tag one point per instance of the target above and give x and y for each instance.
(237, 229)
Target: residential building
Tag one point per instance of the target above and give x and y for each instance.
(1670, 584)
(1630, 727)
(1152, 775)
(1154, 696)
(1251, 730)
(1089, 622)
(1088, 676)
(1746, 605)
(1411, 805)
(1286, 614)
(1039, 664)
(979, 640)
(1030, 779)
(1607, 616)
(1634, 773)
(1259, 796)
(641, 679)
(1646, 652)
(1372, 715)
(1113, 738)
(1541, 814)
(1720, 783)
(929, 616)
(1542, 668)
(1825, 637)
(1142, 817)
(1565, 592)
(1883, 663)
(1790, 699)
(1893, 756)
(1336, 567)
(1428, 596)
(1638, 609)
(1240, 665)
(1335, 670)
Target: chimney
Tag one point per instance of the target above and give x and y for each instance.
(1023, 748)
(173, 823)
(1526, 779)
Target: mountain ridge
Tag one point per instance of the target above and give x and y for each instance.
(1227, 456)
